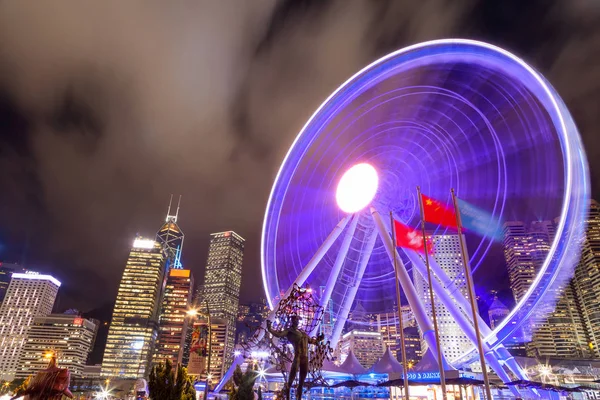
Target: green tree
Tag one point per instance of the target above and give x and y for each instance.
(164, 386)
(160, 383)
(20, 385)
(243, 384)
(184, 385)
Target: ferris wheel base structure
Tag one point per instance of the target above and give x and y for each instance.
(443, 114)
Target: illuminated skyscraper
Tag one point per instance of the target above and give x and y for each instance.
(171, 237)
(220, 332)
(367, 347)
(586, 282)
(447, 254)
(69, 337)
(519, 259)
(6, 271)
(177, 300)
(412, 344)
(29, 295)
(222, 283)
(134, 325)
(556, 330)
(387, 325)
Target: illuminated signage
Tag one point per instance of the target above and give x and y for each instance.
(182, 273)
(424, 376)
(143, 243)
(78, 321)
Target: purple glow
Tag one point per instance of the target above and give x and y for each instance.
(441, 114)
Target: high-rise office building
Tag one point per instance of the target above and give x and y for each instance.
(222, 283)
(412, 344)
(173, 324)
(586, 282)
(561, 333)
(556, 330)
(519, 259)
(219, 330)
(170, 236)
(29, 295)
(68, 338)
(387, 325)
(448, 256)
(367, 347)
(133, 329)
(6, 271)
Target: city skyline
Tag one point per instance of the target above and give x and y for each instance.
(527, 241)
(354, 190)
(110, 130)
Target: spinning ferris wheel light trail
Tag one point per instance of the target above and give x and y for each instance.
(443, 114)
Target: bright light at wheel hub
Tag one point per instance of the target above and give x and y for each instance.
(357, 188)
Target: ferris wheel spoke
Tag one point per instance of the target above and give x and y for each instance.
(440, 114)
(353, 289)
(339, 261)
(314, 261)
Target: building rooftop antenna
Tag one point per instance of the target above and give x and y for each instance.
(169, 210)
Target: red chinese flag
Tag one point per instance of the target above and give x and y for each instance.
(438, 213)
(410, 238)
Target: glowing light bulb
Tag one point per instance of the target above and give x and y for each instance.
(357, 188)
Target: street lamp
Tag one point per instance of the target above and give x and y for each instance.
(195, 313)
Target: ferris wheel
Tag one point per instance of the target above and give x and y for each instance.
(443, 114)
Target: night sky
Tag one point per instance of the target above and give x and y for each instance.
(106, 109)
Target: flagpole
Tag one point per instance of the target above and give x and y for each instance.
(400, 322)
(471, 289)
(435, 325)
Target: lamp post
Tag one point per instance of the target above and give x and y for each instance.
(195, 313)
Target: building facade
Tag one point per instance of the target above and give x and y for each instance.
(367, 347)
(447, 255)
(6, 271)
(173, 324)
(222, 283)
(586, 282)
(133, 329)
(68, 338)
(198, 365)
(29, 295)
(563, 329)
(387, 325)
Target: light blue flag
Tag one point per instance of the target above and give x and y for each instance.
(480, 221)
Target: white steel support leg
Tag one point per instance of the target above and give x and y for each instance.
(317, 257)
(351, 292)
(409, 290)
(339, 261)
(461, 319)
(308, 269)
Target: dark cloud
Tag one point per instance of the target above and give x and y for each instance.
(105, 110)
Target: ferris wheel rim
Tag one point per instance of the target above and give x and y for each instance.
(562, 132)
